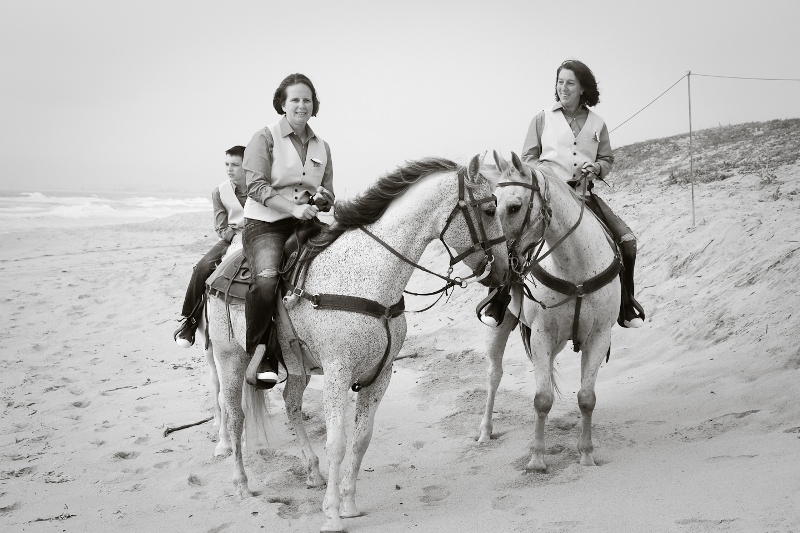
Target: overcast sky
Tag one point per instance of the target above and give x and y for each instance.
(146, 95)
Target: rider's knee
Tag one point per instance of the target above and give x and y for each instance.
(627, 244)
(268, 273)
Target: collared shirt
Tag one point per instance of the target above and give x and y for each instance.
(221, 225)
(532, 148)
(257, 162)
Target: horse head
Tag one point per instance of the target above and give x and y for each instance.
(522, 202)
(477, 235)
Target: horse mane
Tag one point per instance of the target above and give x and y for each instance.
(370, 205)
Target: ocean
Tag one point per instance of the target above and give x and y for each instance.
(21, 210)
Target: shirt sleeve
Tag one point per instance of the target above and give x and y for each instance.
(220, 217)
(532, 148)
(257, 164)
(605, 155)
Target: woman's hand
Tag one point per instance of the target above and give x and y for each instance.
(305, 211)
(323, 197)
(590, 170)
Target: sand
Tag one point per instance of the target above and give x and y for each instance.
(696, 429)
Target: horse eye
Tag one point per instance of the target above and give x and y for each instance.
(490, 211)
(514, 209)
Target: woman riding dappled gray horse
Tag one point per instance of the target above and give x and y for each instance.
(349, 313)
(289, 178)
(573, 142)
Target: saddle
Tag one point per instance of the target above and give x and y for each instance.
(231, 280)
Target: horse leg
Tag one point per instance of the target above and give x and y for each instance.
(224, 446)
(591, 357)
(233, 362)
(214, 381)
(495, 349)
(543, 400)
(334, 398)
(293, 396)
(366, 405)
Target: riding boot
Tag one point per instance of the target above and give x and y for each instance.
(262, 372)
(492, 309)
(631, 313)
(184, 335)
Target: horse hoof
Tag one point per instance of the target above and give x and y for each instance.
(222, 450)
(317, 482)
(484, 438)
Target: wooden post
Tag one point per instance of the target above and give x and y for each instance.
(691, 154)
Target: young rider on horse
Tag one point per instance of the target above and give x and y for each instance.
(289, 178)
(573, 141)
(228, 200)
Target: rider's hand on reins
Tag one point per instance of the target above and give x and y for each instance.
(305, 211)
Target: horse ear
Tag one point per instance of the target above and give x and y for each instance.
(474, 168)
(515, 160)
(500, 161)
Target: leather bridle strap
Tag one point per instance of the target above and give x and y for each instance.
(478, 242)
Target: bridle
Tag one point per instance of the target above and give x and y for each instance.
(478, 236)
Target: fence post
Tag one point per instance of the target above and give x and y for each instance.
(691, 154)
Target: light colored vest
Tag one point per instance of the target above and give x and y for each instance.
(235, 210)
(290, 177)
(565, 152)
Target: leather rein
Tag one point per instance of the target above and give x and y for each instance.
(531, 263)
(480, 242)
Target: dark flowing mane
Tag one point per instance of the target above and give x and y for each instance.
(370, 205)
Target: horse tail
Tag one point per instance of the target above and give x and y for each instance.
(525, 332)
(255, 405)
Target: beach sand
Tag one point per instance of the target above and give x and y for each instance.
(696, 428)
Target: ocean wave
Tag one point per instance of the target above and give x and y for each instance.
(38, 209)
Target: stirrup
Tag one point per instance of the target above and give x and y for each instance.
(253, 373)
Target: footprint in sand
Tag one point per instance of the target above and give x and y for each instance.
(142, 440)
(195, 480)
(506, 502)
(434, 493)
(126, 455)
(80, 404)
(9, 508)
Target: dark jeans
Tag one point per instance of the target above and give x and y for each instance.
(197, 285)
(263, 246)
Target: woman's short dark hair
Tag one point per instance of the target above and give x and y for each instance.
(280, 93)
(591, 94)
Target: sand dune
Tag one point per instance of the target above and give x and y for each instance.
(697, 425)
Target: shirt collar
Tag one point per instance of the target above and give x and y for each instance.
(581, 109)
(286, 128)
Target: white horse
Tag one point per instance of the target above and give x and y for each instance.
(406, 209)
(535, 207)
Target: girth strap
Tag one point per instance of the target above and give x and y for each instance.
(576, 291)
(362, 306)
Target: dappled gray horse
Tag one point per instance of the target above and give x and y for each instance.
(567, 261)
(369, 252)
